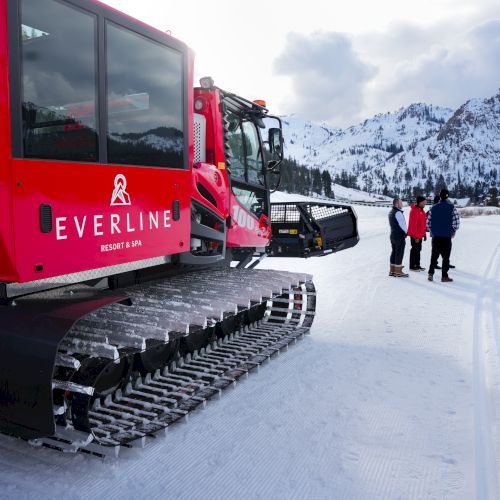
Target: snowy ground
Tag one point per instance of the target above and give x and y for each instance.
(355, 195)
(475, 211)
(394, 395)
(343, 194)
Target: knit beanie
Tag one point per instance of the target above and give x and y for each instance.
(420, 199)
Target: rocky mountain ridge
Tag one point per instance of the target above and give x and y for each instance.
(419, 148)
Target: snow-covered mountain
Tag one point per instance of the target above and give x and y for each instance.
(412, 147)
(163, 139)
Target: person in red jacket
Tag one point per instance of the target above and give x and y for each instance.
(417, 232)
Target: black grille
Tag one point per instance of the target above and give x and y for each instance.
(45, 218)
(176, 210)
(206, 194)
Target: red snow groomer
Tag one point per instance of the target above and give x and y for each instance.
(133, 210)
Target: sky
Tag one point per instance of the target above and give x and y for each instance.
(334, 61)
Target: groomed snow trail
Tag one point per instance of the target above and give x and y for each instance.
(486, 462)
(394, 395)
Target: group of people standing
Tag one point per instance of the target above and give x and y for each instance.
(441, 221)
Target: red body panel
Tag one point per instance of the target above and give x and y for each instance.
(246, 230)
(7, 255)
(89, 232)
(215, 183)
(214, 133)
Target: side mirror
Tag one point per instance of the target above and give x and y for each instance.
(276, 142)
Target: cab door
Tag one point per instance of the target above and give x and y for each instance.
(249, 198)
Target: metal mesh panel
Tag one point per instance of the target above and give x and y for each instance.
(199, 137)
(320, 212)
(284, 213)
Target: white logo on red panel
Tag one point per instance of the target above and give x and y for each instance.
(120, 195)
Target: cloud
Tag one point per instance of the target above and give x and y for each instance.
(344, 79)
(445, 64)
(327, 77)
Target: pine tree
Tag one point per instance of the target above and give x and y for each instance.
(417, 191)
(493, 201)
(317, 182)
(440, 183)
(429, 185)
(327, 183)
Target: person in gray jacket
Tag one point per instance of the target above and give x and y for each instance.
(399, 232)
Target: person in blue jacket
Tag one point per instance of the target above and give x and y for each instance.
(443, 222)
(437, 199)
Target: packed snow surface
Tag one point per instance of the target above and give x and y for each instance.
(394, 395)
(355, 195)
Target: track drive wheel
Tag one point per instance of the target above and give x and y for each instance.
(105, 377)
(156, 357)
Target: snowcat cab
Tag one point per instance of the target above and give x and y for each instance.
(228, 132)
(124, 198)
(250, 164)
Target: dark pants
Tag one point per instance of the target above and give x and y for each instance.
(441, 245)
(416, 248)
(398, 250)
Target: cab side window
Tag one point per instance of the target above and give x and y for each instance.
(245, 152)
(58, 90)
(145, 101)
(234, 138)
(253, 158)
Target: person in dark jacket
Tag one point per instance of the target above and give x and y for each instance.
(417, 232)
(397, 224)
(437, 199)
(442, 222)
